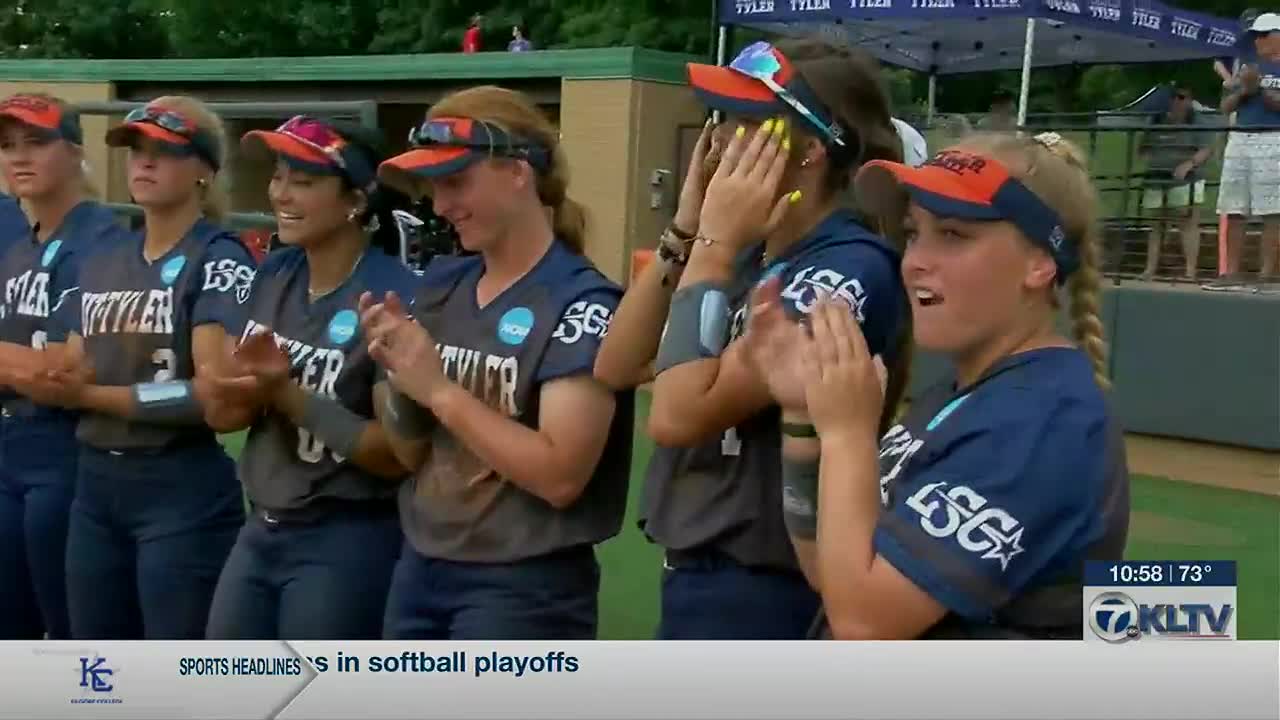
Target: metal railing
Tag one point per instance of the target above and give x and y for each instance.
(1112, 141)
(363, 111)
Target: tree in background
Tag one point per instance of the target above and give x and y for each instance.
(77, 29)
(253, 28)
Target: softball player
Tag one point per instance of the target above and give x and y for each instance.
(157, 503)
(42, 158)
(528, 453)
(1004, 478)
(315, 559)
(713, 495)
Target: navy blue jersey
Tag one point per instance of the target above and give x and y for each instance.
(136, 317)
(727, 493)
(13, 222)
(37, 276)
(1253, 111)
(283, 466)
(546, 326)
(995, 494)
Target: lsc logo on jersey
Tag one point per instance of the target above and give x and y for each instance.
(582, 318)
(170, 271)
(50, 252)
(964, 514)
(1116, 617)
(514, 325)
(805, 288)
(343, 327)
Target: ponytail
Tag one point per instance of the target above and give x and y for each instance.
(568, 216)
(1084, 287)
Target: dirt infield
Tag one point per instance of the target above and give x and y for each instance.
(1205, 463)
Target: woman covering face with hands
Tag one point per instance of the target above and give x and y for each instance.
(802, 116)
(520, 457)
(316, 556)
(972, 517)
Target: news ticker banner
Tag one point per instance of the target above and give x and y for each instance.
(621, 679)
(1160, 600)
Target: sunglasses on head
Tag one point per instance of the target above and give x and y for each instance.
(496, 141)
(167, 119)
(318, 135)
(759, 61)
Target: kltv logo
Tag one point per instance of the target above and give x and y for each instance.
(1116, 618)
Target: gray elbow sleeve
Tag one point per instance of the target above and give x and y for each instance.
(800, 497)
(406, 418)
(167, 403)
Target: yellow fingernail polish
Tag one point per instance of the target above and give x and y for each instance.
(786, 143)
(741, 131)
(795, 197)
(780, 127)
(768, 126)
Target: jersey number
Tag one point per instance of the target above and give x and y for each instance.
(311, 448)
(166, 363)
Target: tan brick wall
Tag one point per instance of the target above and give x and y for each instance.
(95, 126)
(616, 133)
(597, 121)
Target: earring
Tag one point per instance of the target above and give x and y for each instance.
(805, 162)
(202, 183)
(351, 216)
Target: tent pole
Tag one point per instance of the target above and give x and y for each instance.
(1027, 47)
(933, 99)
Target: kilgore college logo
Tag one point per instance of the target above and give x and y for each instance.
(97, 682)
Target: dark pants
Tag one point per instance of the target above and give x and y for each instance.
(37, 481)
(321, 580)
(149, 535)
(552, 597)
(709, 596)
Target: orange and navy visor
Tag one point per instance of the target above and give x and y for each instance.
(170, 129)
(314, 146)
(969, 186)
(446, 145)
(762, 82)
(44, 115)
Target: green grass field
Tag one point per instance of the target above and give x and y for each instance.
(1171, 521)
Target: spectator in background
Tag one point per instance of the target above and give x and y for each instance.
(1002, 115)
(1251, 163)
(1225, 66)
(519, 43)
(471, 38)
(1173, 187)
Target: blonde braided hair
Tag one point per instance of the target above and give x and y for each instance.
(1057, 172)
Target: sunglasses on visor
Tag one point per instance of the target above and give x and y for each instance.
(167, 119)
(318, 135)
(495, 140)
(760, 61)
